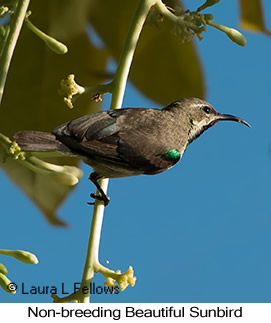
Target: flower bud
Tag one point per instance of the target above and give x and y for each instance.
(236, 37)
(67, 175)
(55, 45)
(24, 256)
(126, 279)
(3, 269)
(232, 33)
(6, 284)
(64, 178)
(52, 43)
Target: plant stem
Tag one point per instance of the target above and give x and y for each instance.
(92, 257)
(165, 12)
(119, 85)
(16, 24)
(121, 76)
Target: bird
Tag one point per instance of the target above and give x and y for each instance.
(128, 141)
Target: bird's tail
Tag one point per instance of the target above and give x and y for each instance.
(38, 141)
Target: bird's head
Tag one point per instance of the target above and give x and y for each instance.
(200, 115)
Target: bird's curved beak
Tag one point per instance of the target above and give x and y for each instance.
(221, 116)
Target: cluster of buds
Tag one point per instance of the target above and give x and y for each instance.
(64, 174)
(21, 255)
(123, 280)
(188, 23)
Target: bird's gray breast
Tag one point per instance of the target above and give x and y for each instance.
(147, 137)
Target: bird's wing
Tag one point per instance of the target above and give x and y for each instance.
(122, 136)
(91, 135)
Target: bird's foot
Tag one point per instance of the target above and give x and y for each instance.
(94, 177)
(104, 198)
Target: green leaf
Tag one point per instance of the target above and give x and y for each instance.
(252, 17)
(163, 69)
(31, 100)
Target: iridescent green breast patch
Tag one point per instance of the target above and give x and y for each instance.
(172, 155)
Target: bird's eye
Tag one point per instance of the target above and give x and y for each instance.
(206, 109)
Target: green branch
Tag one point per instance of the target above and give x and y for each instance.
(16, 24)
(119, 84)
(117, 88)
(121, 76)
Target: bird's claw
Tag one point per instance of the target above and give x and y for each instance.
(105, 198)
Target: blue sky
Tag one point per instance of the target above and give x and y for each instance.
(199, 232)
